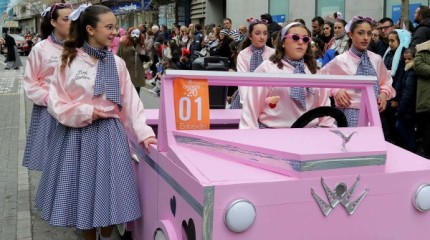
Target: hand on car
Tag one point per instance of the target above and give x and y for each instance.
(342, 98)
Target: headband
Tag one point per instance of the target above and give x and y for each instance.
(285, 29)
(75, 14)
(45, 11)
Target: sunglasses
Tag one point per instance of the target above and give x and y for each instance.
(58, 6)
(297, 38)
(258, 21)
(361, 18)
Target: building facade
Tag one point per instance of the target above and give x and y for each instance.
(284, 10)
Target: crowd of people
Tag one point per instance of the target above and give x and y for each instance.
(84, 78)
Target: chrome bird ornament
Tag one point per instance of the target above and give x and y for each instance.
(345, 139)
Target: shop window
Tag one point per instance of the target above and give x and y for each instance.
(326, 8)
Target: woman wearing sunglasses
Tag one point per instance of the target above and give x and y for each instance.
(293, 55)
(254, 52)
(41, 63)
(358, 61)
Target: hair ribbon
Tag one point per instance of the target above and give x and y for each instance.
(45, 11)
(76, 13)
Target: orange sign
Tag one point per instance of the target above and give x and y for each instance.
(191, 104)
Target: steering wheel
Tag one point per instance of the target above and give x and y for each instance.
(318, 112)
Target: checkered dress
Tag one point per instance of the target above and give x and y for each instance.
(88, 180)
(365, 68)
(42, 125)
(39, 133)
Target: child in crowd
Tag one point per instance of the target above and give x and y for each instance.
(41, 63)
(88, 180)
(398, 42)
(292, 55)
(358, 61)
(405, 113)
(212, 44)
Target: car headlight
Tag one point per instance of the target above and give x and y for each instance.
(240, 215)
(421, 200)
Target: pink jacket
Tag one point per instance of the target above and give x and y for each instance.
(72, 103)
(286, 111)
(244, 62)
(347, 63)
(41, 63)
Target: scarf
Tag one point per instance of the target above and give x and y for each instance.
(107, 79)
(365, 67)
(55, 40)
(298, 93)
(256, 58)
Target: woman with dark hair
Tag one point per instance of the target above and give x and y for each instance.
(254, 52)
(328, 33)
(339, 42)
(132, 51)
(41, 64)
(292, 56)
(359, 61)
(224, 48)
(88, 180)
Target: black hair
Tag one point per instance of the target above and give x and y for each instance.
(424, 11)
(247, 42)
(46, 27)
(78, 31)
(411, 50)
(344, 23)
(354, 24)
(386, 19)
(228, 19)
(319, 19)
(300, 21)
(267, 17)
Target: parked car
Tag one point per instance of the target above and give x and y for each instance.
(294, 183)
(21, 44)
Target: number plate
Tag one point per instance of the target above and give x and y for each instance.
(191, 104)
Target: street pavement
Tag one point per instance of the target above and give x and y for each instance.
(18, 217)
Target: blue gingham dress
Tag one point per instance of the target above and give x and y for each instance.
(365, 68)
(42, 124)
(88, 180)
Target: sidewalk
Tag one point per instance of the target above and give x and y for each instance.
(15, 221)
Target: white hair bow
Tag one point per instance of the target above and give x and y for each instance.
(75, 14)
(45, 11)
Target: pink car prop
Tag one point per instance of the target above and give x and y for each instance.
(297, 183)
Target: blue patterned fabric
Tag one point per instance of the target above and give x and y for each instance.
(55, 40)
(107, 79)
(235, 101)
(351, 115)
(256, 58)
(298, 93)
(37, 145)
(365, 67)
(88, 180)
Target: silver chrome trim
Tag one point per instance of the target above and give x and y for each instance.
(208, 213)
(295, 165)
(175, 185)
